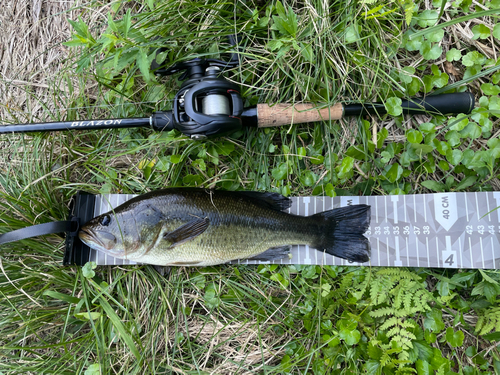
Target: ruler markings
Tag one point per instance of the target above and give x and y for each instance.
(415, 208)
(404, 207)
(460, 252)
(488, 205)
(427, 246)
(397, 262)
(378, 251)
(385, 208)
(496, 195)
(437, 252)
(492, 252)
(425, 207)
(473, 263)
(395, 199)
(477, 207)
(388, 252)
(482, 250)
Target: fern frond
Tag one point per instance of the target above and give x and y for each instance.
(384, 311)
(389, 323)
(488, 321)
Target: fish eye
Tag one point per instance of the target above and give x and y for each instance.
(105, 220)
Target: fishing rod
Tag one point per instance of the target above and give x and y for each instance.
(208, 105)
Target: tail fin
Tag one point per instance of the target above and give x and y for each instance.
(344, 230)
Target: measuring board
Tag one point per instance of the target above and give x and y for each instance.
(453, 230)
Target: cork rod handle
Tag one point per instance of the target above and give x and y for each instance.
(286, 114)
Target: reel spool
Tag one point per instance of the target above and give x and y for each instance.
(207, 106)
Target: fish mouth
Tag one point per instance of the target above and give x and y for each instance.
(99, 240)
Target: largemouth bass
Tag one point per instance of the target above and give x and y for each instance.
(198, 227)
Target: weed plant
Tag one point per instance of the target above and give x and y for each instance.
(265, 319)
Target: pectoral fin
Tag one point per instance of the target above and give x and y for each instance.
(186, 232)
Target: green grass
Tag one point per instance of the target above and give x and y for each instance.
(254, 319)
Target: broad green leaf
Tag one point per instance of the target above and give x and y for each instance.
(351, 34)
(144, 63)
(434, 321)
(495, 78)
(494, 106)
(427, 127)
(424, 368)
(435, 37)
(496, 31)
(393, 106)
(414, 44)
(307, 52)
(440, 80)
(94, 369)
(430, 51)
(453, 137)
(453, 55)
(473, 58)
(490, 89)
(111, 23)
(373, 367)
(330, 190)
(317, 160)
(88, 270)
(466, 182)
(454, 156)
(346, 166)
(308, 178)
(421, 149)
(427, 18)
(441, 147)
(225, 148)
(406, 74)
(443, 287)
(175, 159)
(350, 337)
(127, 22)
(455, 339)
(424, 349)
(393, 172)
(443, 165)
(434, 185)
(414, 136)
(274, 44)
(481, 31)
(88, 315)
(280, 172)
(374, 352)
(301, 151)
(61, 296)
(471, 131)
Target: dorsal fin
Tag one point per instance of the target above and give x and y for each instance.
(273, 201)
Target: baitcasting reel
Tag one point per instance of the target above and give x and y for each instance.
(207, 104)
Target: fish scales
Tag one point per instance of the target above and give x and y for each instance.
(187, 226)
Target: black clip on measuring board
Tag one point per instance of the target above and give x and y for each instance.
(82, 208)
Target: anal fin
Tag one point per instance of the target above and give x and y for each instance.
(278, 252)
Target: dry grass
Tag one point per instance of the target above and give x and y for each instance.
(31, 56)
